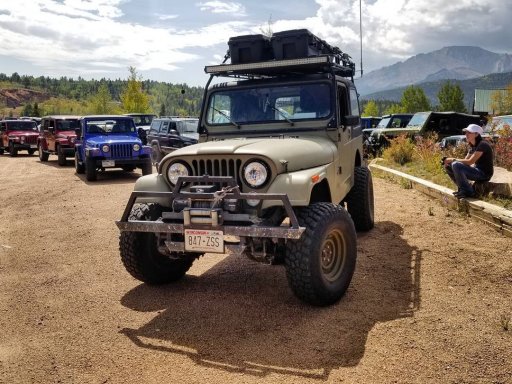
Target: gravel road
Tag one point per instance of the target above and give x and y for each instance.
(428, 302)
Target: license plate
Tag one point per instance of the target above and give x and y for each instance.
(108, 163)
(201, 240)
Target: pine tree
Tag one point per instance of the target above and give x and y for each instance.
(414, 100)
(451, 98)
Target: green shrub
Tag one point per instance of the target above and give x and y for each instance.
(400, 150)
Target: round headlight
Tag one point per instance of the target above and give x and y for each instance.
(136, 147)
(255, 174)
(105, 148)
(175, 171)
(72, 139)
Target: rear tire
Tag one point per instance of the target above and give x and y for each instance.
(156, 156)
(31, 151)
(140, 255)
(360, 203)
(320, 265)
(43, 156)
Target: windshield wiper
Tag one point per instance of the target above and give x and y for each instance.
(227, 117)
(281, 113)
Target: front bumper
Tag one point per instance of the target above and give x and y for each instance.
(210, 218)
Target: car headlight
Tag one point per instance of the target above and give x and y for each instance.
(177, 170)
(255, 174)
(136, 147)
(105, 148)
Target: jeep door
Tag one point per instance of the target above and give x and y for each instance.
(49, 133)
(349, 134)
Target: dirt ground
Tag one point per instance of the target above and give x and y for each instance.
(427, 303)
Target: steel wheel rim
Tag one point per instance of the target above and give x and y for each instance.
(332, 257)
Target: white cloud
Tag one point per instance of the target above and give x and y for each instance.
(217, 6)
(166, 17)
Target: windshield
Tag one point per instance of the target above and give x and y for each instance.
(22, 125)
(67, 125)
(110, 126)
(269, 104)
(418, 119)
(384, 122)
(187, 126)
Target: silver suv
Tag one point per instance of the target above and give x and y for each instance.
(278, 175)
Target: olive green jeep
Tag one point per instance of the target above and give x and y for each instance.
(278, 174)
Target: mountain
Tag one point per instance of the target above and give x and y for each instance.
(456, 62)
(431, 88)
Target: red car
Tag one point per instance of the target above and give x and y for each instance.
(16, 135)
(57, 137)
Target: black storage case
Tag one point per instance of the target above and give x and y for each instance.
(249, 49)
(297, 43)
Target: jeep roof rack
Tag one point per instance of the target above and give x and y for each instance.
(337, 64)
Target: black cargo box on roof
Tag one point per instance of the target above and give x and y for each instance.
(298, 43)
(249, 49)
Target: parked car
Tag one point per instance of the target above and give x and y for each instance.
(167, 134)
(452, 141)
(18, 135)
(106, 142)
(57, 136)
(369, 122)
(393, 121)
(443, 124)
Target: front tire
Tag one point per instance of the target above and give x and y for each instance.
(13, 151)
(320, 265)
(79, 168)
(43, 156)
(140, 255)
(61, 157)
(90, 170)
(147, 168)
(360, 203)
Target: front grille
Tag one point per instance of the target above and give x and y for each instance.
(30, 139)
(120, 151)
(218, 167)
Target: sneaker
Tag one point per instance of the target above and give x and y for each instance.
(464, 195)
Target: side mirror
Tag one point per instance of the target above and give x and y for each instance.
(174, 132)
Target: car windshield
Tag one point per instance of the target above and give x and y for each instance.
(110, 126)
(384, 122)
(67, 125)
(418, 119)
(22, 125)
(187, 126)
(269, 104)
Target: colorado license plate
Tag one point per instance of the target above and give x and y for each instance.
(108, 163)
(201, 240)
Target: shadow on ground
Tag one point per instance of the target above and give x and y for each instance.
(240, 316)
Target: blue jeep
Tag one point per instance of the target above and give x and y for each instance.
(105, 142)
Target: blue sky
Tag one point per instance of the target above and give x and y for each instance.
(172, 40)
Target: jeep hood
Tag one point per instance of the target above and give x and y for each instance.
(106, 139)
(300, 153)
(23, 133)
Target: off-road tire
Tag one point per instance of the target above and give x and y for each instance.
(91, 173)
(147, 168)
(79, 168)
(61, 156)
(320, 265)
(43, 156)
(140, 255)
(360, 203)
(156, 155)
(128, 168)
(31, 151)
(13, 152)
(1, 151)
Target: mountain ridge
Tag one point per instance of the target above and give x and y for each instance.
(452, 62)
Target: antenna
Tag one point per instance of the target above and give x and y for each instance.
(361, 36)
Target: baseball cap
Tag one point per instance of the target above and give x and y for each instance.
(473, 128)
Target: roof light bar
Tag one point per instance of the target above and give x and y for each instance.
(265, 64)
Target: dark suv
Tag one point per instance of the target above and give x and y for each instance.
(169, 133)
(57, 136)
(18, 135)
(106, 142)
